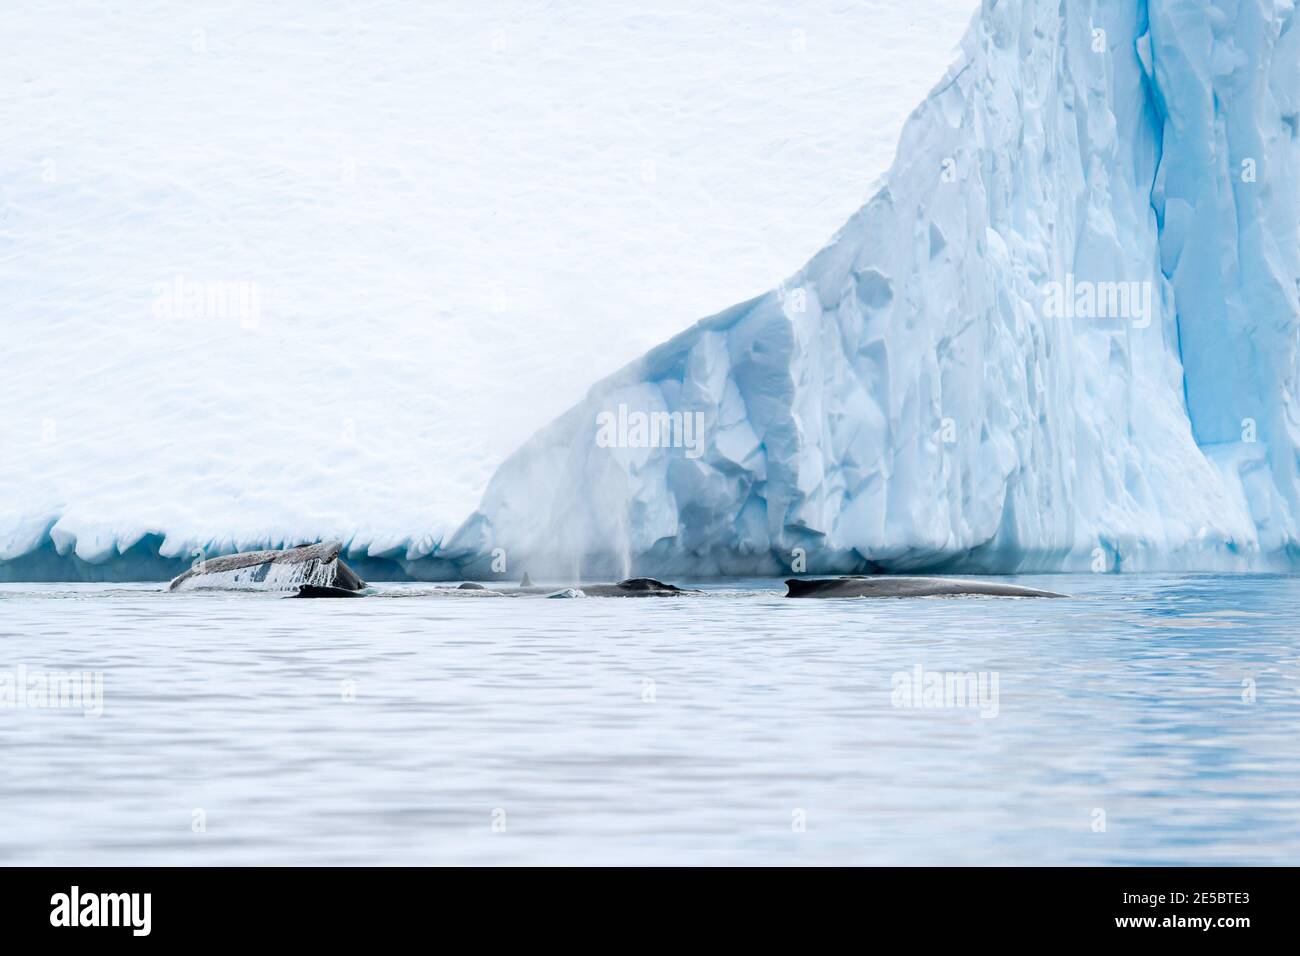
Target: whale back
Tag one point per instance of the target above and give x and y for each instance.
(885, 585)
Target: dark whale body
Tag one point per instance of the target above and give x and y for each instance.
(890, 586)
(633, 587)
(311, 569)
(315, 591)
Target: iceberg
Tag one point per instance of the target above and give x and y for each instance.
(1062, 335)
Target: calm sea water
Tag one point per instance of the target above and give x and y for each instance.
(1146, 720)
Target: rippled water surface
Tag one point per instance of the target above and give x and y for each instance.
(1146, 720)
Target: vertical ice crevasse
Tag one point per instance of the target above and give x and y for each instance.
(1227, 195)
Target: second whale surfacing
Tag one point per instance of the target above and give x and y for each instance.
(634, 587)
(630, 587)
(890, 586)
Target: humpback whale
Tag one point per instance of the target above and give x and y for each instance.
(634, 587)
(316, 591)
(886, 586)
(631, 587)
(314, 570)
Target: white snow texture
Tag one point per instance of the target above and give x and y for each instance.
(1062, 335)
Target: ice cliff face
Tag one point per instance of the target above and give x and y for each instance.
(1062, 335)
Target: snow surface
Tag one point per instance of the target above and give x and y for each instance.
(912, 399)
(454, 218)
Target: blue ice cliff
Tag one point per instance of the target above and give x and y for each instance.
(1061, 336)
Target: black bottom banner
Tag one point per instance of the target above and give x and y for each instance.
(338, 906)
